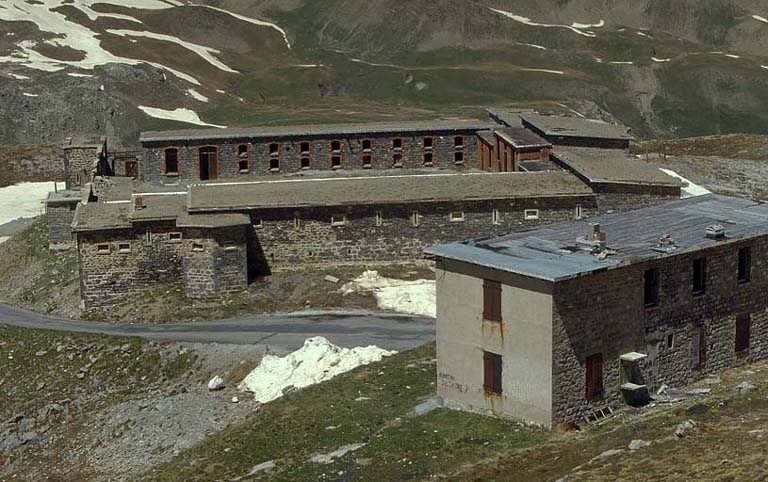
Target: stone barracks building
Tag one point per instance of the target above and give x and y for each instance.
(213, 209)
(563, 323)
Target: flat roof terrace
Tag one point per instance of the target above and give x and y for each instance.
(551, 253)
(382, 190)
(611, 166)
(564, 126)
(318, 130)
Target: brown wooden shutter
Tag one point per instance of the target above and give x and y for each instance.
(492, 373)
(743, 323)
(491, 300)
(594, 376)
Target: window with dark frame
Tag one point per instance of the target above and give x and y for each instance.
(367, 161)
(492, 301)
(743, 328)
(174, 237)
(274, 149)
(745, 265)
(698, 346)
(103, 248)
(429, 143)
(336, 147)
(304, 148)
(428, 159)
(305, 163)
(367, 145)
(172, 161)
(274, 164)
(492, 374)
(699, 276)
(458, 142)
(242, 150)
(594, 377)
(458, 157)
(397, 160)
(336, 162)
(651, 287)
(397, 144)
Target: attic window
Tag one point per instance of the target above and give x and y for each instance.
(103, 248)
(338, 220)
(531, 214)
(456, 216)
(198, 247)
(124, 248)
(174, 237)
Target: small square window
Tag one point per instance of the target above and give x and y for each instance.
(338, 220)
(458, 157)
(305, 147)
(456, 216)
(242, 150)
(230, 245)
(305, 163)
(531, 214)
(198, 247)
(174, 237)
(258, 223)
(124, 248)
(103, 248)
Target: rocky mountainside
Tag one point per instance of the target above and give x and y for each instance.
(669, 68)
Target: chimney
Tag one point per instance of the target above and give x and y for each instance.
(138, 203)
(715, 231)
(594, 234)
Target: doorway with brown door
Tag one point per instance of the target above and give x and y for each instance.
(208, 157)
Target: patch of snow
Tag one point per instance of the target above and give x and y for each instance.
(18, 77)
(410, 297)
(643, 34)
(23, 200)
(764, 66)
(578, 28)
(309, 66)
(197, 95)
(733, 56)
(598, 60)
(4, 239)
(27, 94)
(615, 62)
(540, 47)
(373, 64)
(760, 19)
(220, 91)
(206, 53)
(317, 361)
(338, 453)
(690, 189)
(75, 74)
(656, 59)
(180, 115)
(253, 21)
(558, 72)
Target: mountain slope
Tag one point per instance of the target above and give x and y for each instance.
(667, 68)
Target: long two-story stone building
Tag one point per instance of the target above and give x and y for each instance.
(561, 322)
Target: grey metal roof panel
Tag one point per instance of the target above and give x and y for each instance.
(612, 166)
(458, 125)
(382, 190)
(564, 126)
(547, 253)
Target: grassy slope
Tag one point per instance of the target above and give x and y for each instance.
(447, 445)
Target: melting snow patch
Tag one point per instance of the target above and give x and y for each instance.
(4, 239)
(179, 115)
(540, 47)
(27, 94)
(75, 74)
(732, 56)
(411, 297)
(197, 95)
(655, 59)
(18, 77)
(623, 63)
(558, 72)
(317, 361)
(689, 188)
(23, 200)
(578, 28)
(338, 453)
(643, 34)
(253, 21)
(760, 19)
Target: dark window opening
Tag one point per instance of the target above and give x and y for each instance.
(131, 169)
(274, 164)
(745, 265)
(491, 300)
(492, 373)
(651, 287)
(594, 377)
(242, 150)
(743, 327)
(367, 145)
(699, 276)
(335, 146)
(243, 165)
(304, 147)
(428, 159)
(305, 163)
(429, 142)
(458, 141)
(698, 346)
(670, 341)
(274, 149)
(458, 157)
(336, 162)
(367, 161)
(397, 144)
(397, 160)
(209, 159)
(171, 161)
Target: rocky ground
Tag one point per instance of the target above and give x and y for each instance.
(76, 408)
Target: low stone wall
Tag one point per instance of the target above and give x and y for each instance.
(604, 313)
(60, 217)
(30, 164)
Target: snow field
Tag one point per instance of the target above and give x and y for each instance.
(25, 200)
(410, 297)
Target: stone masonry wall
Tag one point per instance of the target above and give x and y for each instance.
(382, 154)
(605, 313)
(292, 238)
(79, 164)
(624, 197)
(60, 217)
(216, 262)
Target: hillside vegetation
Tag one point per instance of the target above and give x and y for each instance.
(668, 68)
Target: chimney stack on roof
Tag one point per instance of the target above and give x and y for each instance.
(715, 231)
(138, 203)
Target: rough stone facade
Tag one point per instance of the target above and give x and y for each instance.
(300, 237)
(60, 212)
(605, 314)
(257, 161)
(82, 162)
